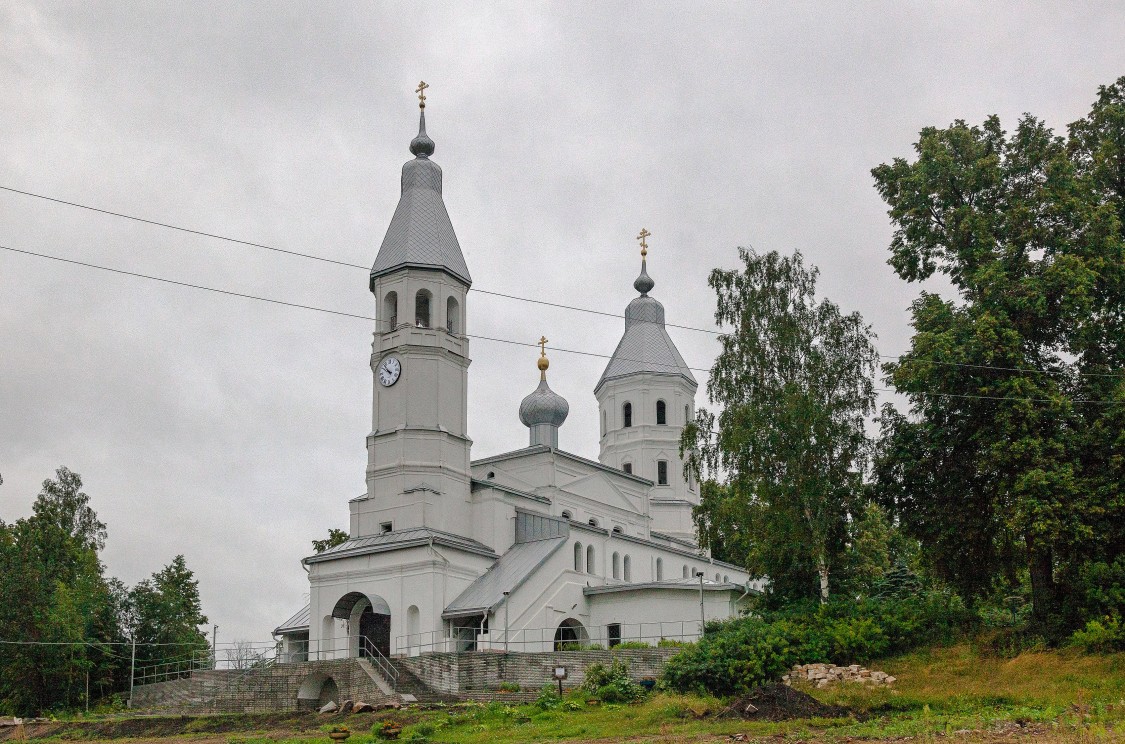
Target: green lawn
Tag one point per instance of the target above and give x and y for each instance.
(1056, 696)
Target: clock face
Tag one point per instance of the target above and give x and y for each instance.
(389, 371)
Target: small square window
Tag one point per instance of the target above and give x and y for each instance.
(386, 527)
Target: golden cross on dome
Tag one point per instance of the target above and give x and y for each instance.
(542, 346)
(644, 245)
(421, 91)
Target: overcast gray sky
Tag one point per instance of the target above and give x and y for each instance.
(232, 431)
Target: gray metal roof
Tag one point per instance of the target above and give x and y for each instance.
(504, 575)
(420, 234)
(399, 539)
(646, 346)
(299, 621)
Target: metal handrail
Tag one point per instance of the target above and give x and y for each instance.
(371, 652)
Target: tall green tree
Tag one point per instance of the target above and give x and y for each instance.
(1001, 466)
(57, 600)
(794, 384)
(166, 615)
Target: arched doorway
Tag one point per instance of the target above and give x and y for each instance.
(316, 691)
(570, 635)
(369, 623)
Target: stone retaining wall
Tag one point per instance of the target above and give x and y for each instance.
(275, 688)
(478, 675)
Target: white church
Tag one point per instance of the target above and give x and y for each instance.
(530, 550)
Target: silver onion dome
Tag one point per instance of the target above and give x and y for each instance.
(544, 411)
(544, 406)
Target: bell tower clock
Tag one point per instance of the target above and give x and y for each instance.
(418, 448)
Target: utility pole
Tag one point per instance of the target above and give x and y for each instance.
(506, 594)
(214, 646)
(132, 668)
(702, 616)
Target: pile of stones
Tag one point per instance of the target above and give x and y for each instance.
(823, 675)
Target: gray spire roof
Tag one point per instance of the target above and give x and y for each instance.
(646, 347)
(420, 233)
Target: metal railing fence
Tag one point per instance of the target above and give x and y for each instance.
(559, 638)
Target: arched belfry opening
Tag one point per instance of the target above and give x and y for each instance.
(369, 623)
(452, 316)
(390, 311)
(422, 302)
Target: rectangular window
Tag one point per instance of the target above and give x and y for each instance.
(613, 634)
(661, 472)
(628, 468)
(386, 527)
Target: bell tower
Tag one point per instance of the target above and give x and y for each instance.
(645, 398)
(418, 448)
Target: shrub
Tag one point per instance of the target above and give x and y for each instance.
(739, 654)
(631, 644)
(1100, 636)
(612, 684)
(549, 698)
(508, 687)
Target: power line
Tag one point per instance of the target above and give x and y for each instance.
(504, 295)
(467, 335)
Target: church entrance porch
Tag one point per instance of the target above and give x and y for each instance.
(367, 626)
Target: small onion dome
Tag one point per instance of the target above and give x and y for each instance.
(644, 282)
(422, 146)
(544, 406)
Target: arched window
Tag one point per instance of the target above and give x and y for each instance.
(661, 472)
(661, 413)
(593, 522)
(627, 467)
(717, 578)
(566, 514)
(390, 311)
(591, 564)
(617, 529)
(452, 316)
(628, 569)
(422, 308)
(660, 569)
(578, 558)
(685, 571)
(616, 566)
(627, 414)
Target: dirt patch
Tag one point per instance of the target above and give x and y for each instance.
(158, 727)
(778, 702)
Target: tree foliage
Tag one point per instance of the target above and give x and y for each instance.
(72, 621)
(335, 537)
(794, 383)
(1010, 460)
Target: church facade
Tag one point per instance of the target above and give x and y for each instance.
(529, 550)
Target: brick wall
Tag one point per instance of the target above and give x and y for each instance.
(477, 675)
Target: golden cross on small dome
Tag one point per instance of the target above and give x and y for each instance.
(421, 91)
(543, 364)
(644, 245)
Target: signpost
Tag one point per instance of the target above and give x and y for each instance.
(560, 675)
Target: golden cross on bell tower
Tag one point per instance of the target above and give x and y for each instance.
(421, 91)
(644, 245)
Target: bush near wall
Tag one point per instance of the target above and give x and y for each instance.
(738, 654)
